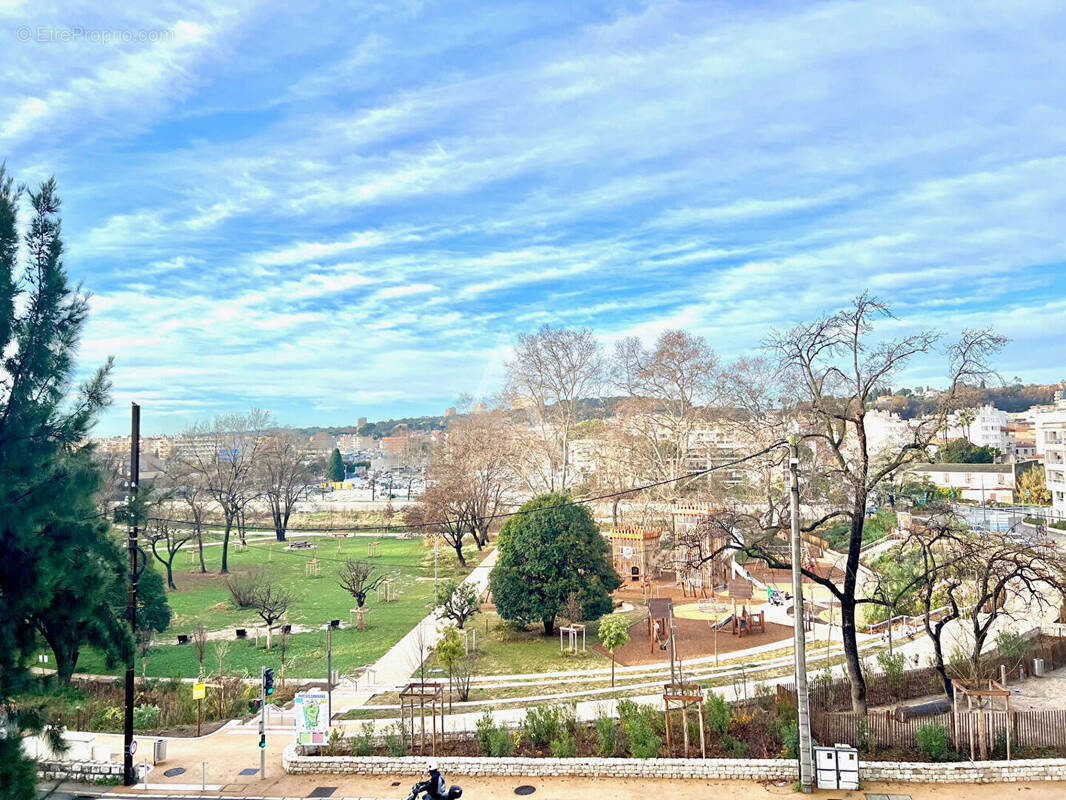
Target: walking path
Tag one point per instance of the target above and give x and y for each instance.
(394, 669)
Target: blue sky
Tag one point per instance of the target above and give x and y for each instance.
(337, 212)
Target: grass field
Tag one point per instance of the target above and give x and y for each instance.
(204, 598)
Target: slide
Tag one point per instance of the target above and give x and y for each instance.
(742, 571)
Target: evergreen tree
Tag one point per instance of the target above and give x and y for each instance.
(46, 481)
(549, 550)
(335, 469)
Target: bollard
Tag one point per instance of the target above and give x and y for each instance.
(1003, 674)
(203, 776)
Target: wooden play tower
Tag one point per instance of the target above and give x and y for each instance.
(635, 548)
(696, 573)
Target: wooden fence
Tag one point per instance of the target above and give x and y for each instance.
(1028, 729)
(835, 695)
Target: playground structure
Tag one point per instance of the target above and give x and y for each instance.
(634, 548)
(660, 622)
(744, 621)
(421, 693)
(696, 572)
(313, 568)
(373, 549)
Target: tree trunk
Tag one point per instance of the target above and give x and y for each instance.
(612, 670)
(459, 553)
(225, 544)
(66, 657)
(938, 664)
(549, 625)
(851, 657)
(270, 630)
(200, 547)
(170, 571)
(360, 616)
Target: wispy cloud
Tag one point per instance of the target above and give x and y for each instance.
(337, 213)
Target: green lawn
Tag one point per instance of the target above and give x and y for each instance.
(204, 598)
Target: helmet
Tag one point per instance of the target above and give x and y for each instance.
(432, 766)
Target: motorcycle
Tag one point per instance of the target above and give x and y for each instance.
(454, 793)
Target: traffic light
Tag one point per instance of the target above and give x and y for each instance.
(268, 682)
(263, 740)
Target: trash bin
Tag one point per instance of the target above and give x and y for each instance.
(159, 751)
(1038, 667)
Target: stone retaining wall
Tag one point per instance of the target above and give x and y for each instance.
(82, 771)
(1048, 769)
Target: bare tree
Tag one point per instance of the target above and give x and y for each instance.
(442, 511)
(667, 389)
(223, 455)
(553, 370)
(187, 489)
(272, 600)
(285, 477)
(162, 533)
(835, 367)
(357, 578)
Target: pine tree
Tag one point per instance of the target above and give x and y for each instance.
(335, 469)
(46, 479)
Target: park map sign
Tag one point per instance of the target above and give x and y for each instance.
(312, 717)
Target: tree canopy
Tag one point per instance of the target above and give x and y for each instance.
(335, 468)
(548, 551)
(962, 451)
(47, 481)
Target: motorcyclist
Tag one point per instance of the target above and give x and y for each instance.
(434, 787)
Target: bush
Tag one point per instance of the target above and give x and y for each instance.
(790, 740)
(606, 735)
(639, 724)
(893, 666)
(244, 587)
(718, 713)
(363, 742)
(932, 740)
(734, 747)
(145, 717)
(396, 740)
(545, 723)
(564, 746)
(494, 740)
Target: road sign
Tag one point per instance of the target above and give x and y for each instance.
(133, 747)
(199, 690)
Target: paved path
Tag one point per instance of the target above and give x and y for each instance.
(394, 668)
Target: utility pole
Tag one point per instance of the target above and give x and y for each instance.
(802, 700)
(128, 771)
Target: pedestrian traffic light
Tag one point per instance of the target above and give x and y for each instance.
(268, 682)
(263, 740)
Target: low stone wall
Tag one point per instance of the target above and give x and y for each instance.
(82, 771)
(1035, 769)
(1048, 769)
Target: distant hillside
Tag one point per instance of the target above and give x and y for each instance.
(1013, 397)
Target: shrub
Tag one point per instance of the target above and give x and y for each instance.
(718, 713)
(790, 740)
(145, 717)
(893, 665)
(606, 735)
(564, 746)
(363, 742)
(396, 740)
(734, 747)
(545, 723)
(243, 587)
(494, 740)
(932, 740)
(639, 724)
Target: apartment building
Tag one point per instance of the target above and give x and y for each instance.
(1051, 442)
(982, 483)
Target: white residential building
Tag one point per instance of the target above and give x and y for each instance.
(988, 429)
(982, 483)
(886, 430)
(1051, 442)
